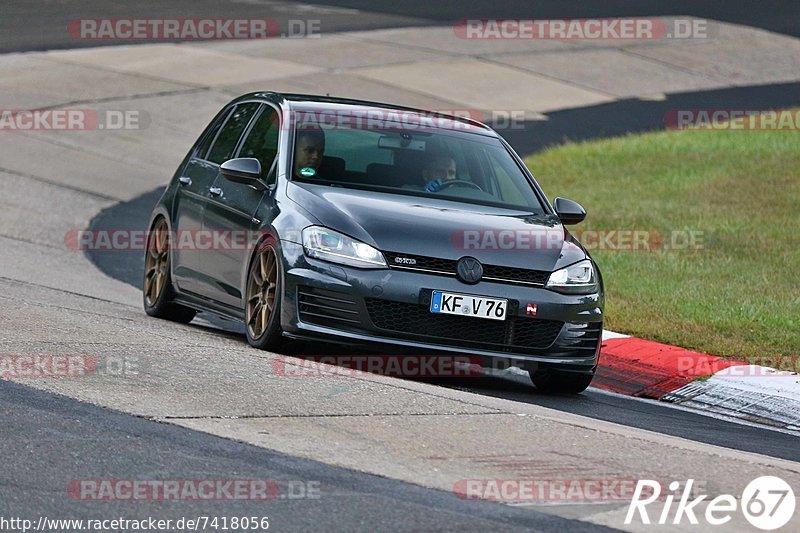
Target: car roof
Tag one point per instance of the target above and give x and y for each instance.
(350, 106)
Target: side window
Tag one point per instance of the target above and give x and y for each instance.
(262, 141)
(231, 132)
(211, 134)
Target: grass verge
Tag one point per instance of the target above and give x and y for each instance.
(736, 290)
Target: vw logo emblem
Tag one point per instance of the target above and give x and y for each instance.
(469, 270)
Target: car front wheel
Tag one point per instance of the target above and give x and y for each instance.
(263, 304)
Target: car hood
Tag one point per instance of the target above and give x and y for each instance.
(445, 229)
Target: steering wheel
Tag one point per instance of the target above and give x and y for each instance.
(459, 183)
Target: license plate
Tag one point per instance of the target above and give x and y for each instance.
(450, 303)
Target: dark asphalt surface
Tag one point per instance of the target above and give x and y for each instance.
(632, 115)
(50, 440)
(42, 24)
(775, 15)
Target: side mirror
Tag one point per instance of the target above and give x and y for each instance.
(246, 170)
(568, 211)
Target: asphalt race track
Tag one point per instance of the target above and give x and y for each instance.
(195, 402)
(24, 28)
(66, 434)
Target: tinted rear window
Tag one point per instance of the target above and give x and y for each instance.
(228, 138)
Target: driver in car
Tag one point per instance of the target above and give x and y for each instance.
(437, 170)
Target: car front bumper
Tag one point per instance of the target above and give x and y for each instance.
(324, 301)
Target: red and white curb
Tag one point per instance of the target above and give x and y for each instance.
(712, 384)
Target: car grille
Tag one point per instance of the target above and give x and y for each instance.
(411, 319)
(517, 275)
(326, 308)
(447, 267)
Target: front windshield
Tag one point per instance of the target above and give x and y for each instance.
(411, 160)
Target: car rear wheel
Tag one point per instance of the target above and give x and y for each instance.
(263, 305)
(157, 289)
(552, 381)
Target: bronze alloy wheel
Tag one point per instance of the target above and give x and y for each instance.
(156, 266)
(261, 291)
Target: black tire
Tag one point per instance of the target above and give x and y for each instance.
(158, 301)
(270, 337)
(553, 381)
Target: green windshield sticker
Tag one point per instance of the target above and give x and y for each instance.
(307, 172)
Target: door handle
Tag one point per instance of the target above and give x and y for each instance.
(185, 181)
(215, 191)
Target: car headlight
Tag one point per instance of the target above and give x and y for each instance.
(328, 245)
(579, 278)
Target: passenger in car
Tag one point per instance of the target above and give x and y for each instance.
(309, 150)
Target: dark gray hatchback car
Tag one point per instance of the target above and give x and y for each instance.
(310, 217)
